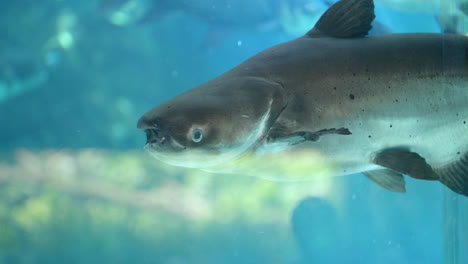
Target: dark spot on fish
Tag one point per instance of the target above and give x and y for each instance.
(389, 87)
(368, 78)
(354, 74)
(464, 122)
(370, 136)
(334, 88)
(458, 153)
(457, 114)
(391, 125)
(396, 100)
(351, 96)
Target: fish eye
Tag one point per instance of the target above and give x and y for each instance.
(197, 135)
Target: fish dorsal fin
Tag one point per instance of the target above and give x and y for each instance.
(345, 19)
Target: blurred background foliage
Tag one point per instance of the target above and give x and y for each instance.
(75, 186)
(95, 206)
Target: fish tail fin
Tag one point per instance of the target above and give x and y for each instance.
(455, 175)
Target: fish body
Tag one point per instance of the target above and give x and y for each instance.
(383, 105)
(390, 90)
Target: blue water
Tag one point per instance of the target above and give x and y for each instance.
(76, 187)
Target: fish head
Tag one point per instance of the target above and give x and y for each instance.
(212, 124)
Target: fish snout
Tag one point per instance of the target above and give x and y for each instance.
(144, 123)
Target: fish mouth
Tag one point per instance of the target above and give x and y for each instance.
(155, 135)
(154, 138)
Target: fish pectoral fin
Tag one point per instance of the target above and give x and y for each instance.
(345, 19)
(315, 136)
(293, 138)
(406, 162)
(388, 179)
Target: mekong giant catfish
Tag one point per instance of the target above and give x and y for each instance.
(386, 106)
